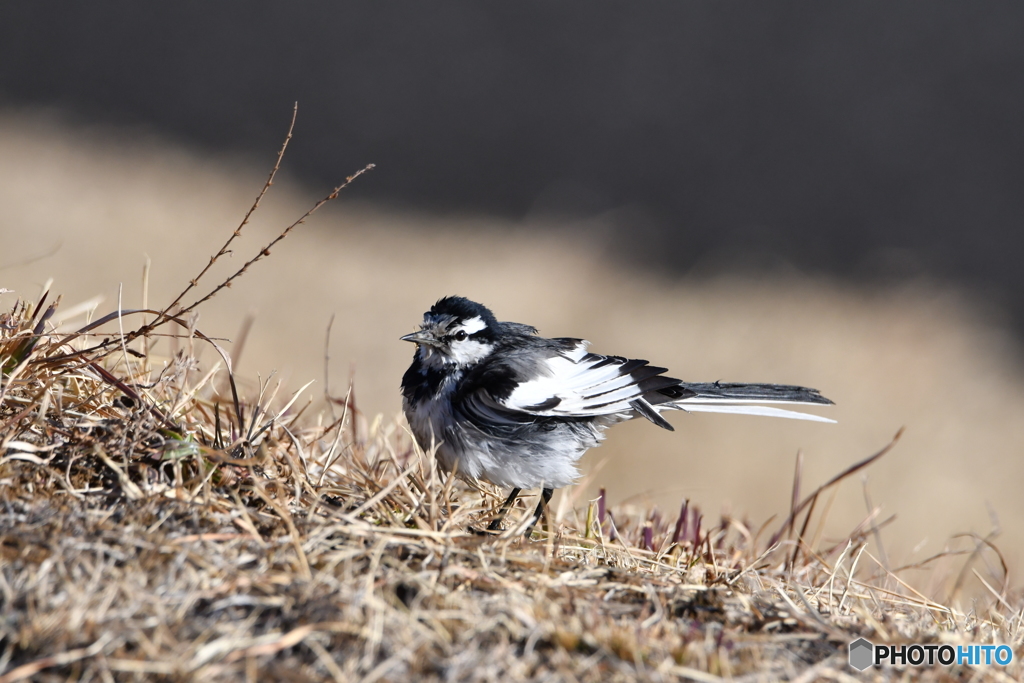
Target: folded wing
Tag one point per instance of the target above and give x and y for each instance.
(576, 384)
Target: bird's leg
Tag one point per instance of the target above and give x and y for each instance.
(495, 524)
(545, 498)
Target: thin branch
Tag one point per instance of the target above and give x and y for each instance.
(245, 221)
(266, 250)
(164, 317)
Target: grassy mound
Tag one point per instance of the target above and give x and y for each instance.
(158, 522)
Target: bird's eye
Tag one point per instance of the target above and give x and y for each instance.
(460, 335)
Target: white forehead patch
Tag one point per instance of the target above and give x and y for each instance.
(471, 325)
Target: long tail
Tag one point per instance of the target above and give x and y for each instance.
(747, 399)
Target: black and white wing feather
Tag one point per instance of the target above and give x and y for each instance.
(569, 382)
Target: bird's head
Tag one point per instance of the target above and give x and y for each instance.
(455, 332)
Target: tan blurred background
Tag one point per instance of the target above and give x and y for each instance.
(86, 206)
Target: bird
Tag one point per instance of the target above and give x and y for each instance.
(501, 404)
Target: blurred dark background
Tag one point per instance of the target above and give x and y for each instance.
(869, 139)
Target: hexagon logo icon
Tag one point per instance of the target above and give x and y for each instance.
(861, 654)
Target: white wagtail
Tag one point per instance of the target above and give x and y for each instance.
(506, 406)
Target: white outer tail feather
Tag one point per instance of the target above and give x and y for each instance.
(747, 409)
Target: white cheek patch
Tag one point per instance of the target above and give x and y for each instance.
(474, 324)
(469, 351)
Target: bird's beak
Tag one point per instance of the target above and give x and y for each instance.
(420, 337)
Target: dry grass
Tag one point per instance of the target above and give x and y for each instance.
(159, 522)
(92, 204)
(85, 207)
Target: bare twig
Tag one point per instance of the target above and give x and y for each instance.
(266, 250)
(245, 221)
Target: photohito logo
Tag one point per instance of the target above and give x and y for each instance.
(864, 653)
